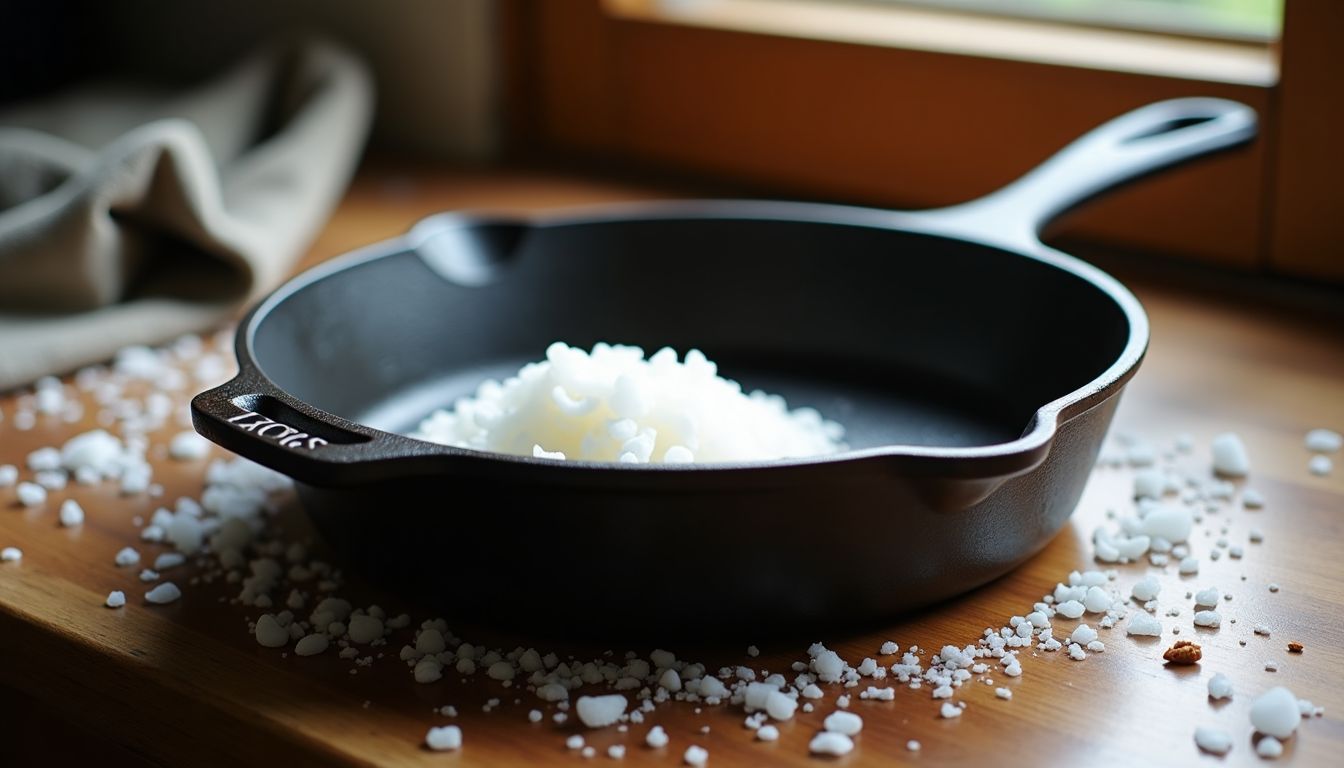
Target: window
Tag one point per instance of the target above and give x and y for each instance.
(907, 104)
(1248, 20)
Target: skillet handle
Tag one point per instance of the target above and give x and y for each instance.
(252, 418)
(1133, 145)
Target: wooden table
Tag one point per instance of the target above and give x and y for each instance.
(187, 684)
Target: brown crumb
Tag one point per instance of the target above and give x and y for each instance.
(1183, 652)
(1294, 647)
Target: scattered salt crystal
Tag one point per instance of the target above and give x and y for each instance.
(1207, 619)
(912, 745)
(1252, 499)
(164, 593)
(616, 751)
(444, 738)
(126, 556)
(1269, 747)
(1273, 587)
(1146, 589)
(575, 742)
(1213, 740)
(270, 633)
(364, 629)
(31, 494)
(767, 733)
(11, 555)
(847, 723)
(601, 711)
(1271, 666)
(831, 743)
(1229, 456)
(753, 651)
(169, 560)
(44, 459)
(1076, 652)
(1275, 713)
(1149, 483)
(115, 599)
(1255, 536)
(656, 737)
(1208, 597)
(1141, 624)
(1168, 522)
(1220, 687)
(1097, 600)
(1083, 635)
(1324, 440)
(888, 648)
(949, 710)
(1070, 609)
(312, 644)
(9, 475)
(71, 513)
(695, 756)
(1320, 465)
(1189, 565)
(1003, 693)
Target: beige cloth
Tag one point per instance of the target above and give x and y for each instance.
(131, 217)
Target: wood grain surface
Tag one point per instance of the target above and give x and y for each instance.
(187, 684)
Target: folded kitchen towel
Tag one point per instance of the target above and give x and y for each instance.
(129, 216)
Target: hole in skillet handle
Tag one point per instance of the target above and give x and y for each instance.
(1171, 126)
(268, 418)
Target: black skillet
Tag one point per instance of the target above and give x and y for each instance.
(976, 370)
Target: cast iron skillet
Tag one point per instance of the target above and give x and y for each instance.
(976, 369)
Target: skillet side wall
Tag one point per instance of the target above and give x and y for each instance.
(861, 544)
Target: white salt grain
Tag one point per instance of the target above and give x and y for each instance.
(71, 513)
(1143, 625)
(31, 494)
(1320, 465)
(767, 733)
(1220, 687)
(601, 711)
(311, 645)
(1070, 609)
(1003, 693)
(1269, 747)
(1213, 740)
(164, 593)
(126, 556)
(1229, 456)
(1083, 635)
(115, 599)
(1189, 565)
(11, 555)
(656, 737)
(616, 751)
(444, 738)
(364, 629)
(1275, 713)
(949, 710)
(1168, 522)
(912, 745)
(1146, 589)
(1208, 597)
(9, 475)
(695, 756)
(188, 446)
(1097, 600)
(1208, 619)
(269, 632)
(831, 743)
(168, 560)
(847, 723)
(574, 742)
(1324, 441)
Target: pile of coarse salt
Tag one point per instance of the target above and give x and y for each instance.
(613, 405)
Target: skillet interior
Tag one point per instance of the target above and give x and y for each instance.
(904, 338)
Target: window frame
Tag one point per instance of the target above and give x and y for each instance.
(901, 127)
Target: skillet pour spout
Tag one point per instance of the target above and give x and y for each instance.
(975, 369)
